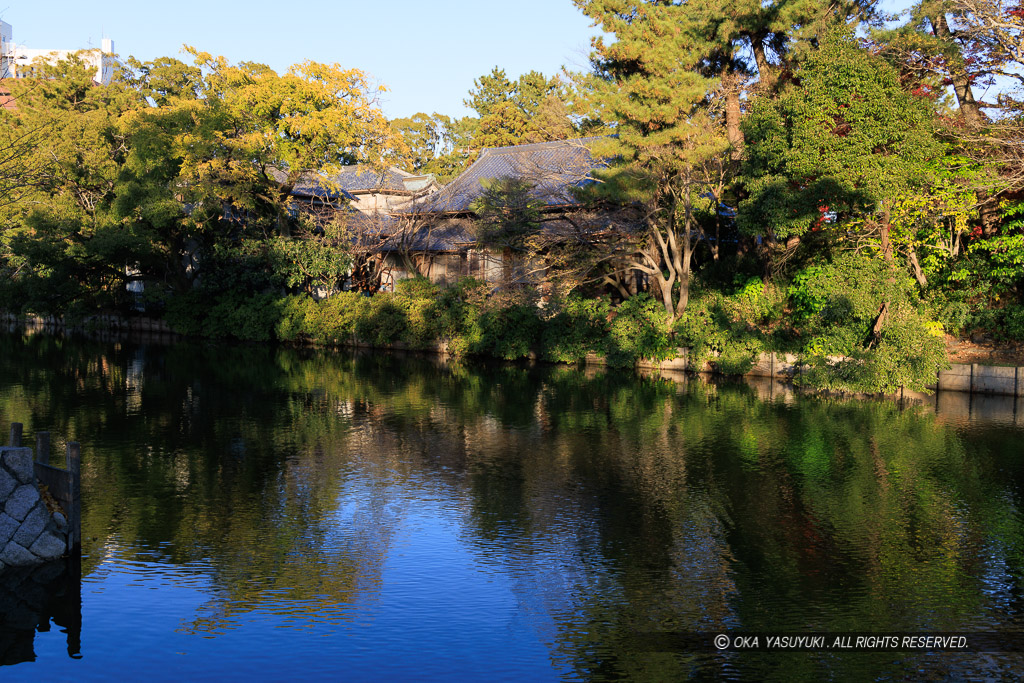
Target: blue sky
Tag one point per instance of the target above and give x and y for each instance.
(426, 52)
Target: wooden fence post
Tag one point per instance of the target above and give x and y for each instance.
(15, 435)
(43, 447)
(74, 457)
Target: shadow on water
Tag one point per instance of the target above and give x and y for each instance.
(36, 599)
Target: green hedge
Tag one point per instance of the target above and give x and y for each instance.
(470, 317)
(827, 312)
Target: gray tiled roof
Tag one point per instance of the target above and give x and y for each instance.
(363, 177)
(358, 178)
(384, 233)
(554, 167)
(311, 185)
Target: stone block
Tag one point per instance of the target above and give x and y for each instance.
(957, 378)
(7, 483)
(18, 462)
(764, 366)
(8, 527)
(786, 365)
(49, 547)
(21, 501)
(13, 555)
(995, 379)
(33, 525)
(60, 521)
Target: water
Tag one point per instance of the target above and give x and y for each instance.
(275, 513)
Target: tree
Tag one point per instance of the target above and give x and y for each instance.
(147, 177)
(64, 235)
(314, 118)
(847, 141)
(436, 143)
(667, 140)
(530, 109)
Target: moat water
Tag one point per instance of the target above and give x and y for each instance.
(271, 514)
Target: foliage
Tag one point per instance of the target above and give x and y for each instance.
(507, 213)
(576, 328)
(729, 330)
(436, 143)
(837, 329)
(639, 330)
(173, 165)
(669, 149)
(847, 140)
(529, 109)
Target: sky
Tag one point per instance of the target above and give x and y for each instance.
(426, 53)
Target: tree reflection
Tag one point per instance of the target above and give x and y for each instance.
(618, 505)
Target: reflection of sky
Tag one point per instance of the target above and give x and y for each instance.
(438, 614)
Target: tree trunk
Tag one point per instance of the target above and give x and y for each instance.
(884, 230)
(733, 112)
(959, 76)
(765, 73)
(918, 273)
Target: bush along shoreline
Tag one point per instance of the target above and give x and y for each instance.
(826, 322)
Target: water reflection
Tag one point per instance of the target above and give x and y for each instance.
(551, 514)
(37, 599)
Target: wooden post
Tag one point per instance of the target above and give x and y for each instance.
(43, 447)
(15, 435)
(74, 456)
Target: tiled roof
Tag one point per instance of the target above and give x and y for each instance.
(310, 185)
(382, 232)
(363, 177)
(359, 178)
(555, 168)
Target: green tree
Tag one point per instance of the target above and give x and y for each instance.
(529, 109)
(436, 143)
(668, 144)
(847, 142)
(64, 237)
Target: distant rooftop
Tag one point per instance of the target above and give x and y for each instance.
(555, 168)
(366, 178)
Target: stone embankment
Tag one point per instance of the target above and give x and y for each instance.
(971, 378)
(104, 323)
(39, 508)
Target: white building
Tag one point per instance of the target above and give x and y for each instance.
(16, 60)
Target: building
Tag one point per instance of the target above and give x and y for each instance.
(384, 191)
(435, 234)
(16, 61)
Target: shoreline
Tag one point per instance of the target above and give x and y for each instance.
(968, 378)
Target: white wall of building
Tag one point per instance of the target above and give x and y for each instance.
(16, 60)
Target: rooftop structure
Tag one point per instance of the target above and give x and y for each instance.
(16, 61)
(553, 168)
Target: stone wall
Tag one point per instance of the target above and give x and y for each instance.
(30, 531)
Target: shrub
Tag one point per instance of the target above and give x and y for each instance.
(576, 329)
(333, 321)
(418, 297)
(506, 331)
(639, 330)
(293, 312)
(848, 295)
(380, 320)
(719, 328)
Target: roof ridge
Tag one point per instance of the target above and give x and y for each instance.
(550, 143)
